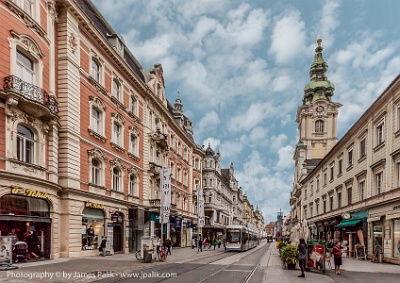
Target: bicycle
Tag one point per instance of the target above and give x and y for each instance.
(162, 253)
(138, 255)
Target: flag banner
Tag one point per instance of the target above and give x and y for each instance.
(200, 202)
(165, 194)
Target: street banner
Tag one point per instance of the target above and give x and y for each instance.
(165, 207)
(200, 202)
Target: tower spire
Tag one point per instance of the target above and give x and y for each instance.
(319, 86)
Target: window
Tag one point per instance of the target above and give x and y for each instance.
(317, 207)
(26, 5)
(179, 177)
(96, 70)
(210, 198)
(362, 148)
(339, 198)
(196, 163)
(116, 179)
(317, 185)
(116, 89)
(25, 144)
(311, 210)
(25, 68)
(325, 179)
(331, 202)
(305, 211)
(96, 120)
(362, 190)
(319, 126)
(133, 189)
(133, 147)
(311, 190)
(398, 172)
(349, 195)
(332, 172)
(324, 206)
(350, 157)
(305, 194)
(379, 133)
(398, 121)
(133, 105)
(116, 133)
(196, 184)
(379, 182)
(96, 172)
(173, 141)
(185, 177)
(340, 166)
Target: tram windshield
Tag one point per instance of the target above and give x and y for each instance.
(233, 235)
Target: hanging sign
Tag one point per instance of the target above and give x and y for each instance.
(165, 183)
(201, 221)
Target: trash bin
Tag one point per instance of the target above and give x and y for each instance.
(147, 256)
(380, 257)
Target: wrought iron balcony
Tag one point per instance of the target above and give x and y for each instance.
(31, 99)
(154, 203)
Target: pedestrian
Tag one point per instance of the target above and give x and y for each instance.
(219, 243)
(214, 243)
(194, 242)
(199, 246)
(168, 244)
(204, 242)
(102, 247)
(337, 257)
(302, 248)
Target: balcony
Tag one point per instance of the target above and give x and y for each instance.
(154, 204)
(31, 99)
(154, 170)
(160, 139)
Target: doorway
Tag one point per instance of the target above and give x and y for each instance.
(117, 238)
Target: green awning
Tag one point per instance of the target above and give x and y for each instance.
(349, 223)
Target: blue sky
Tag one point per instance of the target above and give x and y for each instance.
(241, 66)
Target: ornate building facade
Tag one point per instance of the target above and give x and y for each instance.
(348, 189)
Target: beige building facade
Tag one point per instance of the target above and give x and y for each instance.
(349, 189)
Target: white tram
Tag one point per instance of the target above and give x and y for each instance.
(240, 238)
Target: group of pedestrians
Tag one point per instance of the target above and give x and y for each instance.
(200, 244)
(302, 249)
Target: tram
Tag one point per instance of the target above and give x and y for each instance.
(240, 238)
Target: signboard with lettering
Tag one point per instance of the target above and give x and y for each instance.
(201, 221)
(17, 190)
(165, 207)
(94, 205)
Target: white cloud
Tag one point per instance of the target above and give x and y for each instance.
(209, 122)
(277, 142)
(285, 157)
(288, 37)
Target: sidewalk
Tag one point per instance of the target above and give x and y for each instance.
(274, 271)
(86, 269)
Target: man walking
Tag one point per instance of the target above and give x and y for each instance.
(199, 245)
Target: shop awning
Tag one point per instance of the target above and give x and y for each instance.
(349, 223)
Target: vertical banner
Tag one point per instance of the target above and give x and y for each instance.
(165, 194)
(200, 209)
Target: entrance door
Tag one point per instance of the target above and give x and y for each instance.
(117, 238)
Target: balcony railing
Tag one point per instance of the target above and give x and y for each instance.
(31, 93)
(160, 139)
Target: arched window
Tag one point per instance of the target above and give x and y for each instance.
(319, 126)
(96, 172)
(133, 189)
(116, 179)
(25, 68)
(25, 144)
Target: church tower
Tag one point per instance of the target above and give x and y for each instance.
(316, 118)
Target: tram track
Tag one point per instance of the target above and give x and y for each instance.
(197, 265)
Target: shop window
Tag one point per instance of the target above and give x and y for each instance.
(92, 228)
(26, 206)
(396, 238)
(25, 144)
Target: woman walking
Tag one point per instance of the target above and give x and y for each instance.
(337, 257)
(302, 248)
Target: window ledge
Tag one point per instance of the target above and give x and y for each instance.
(349, 168)
(117, 102)
(362, 158)
(97, 135)
(97, 85)
(28, 20)
(379, 146)
(134, 117)
(133, 156)
(397, 133)
(117, 147)
(29, 167)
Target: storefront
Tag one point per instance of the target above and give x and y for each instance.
(93, 225)
(25, 215)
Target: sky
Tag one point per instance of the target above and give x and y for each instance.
(241, 66)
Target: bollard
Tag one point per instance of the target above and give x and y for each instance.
(380, 257)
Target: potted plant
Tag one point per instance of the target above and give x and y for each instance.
(289, 256)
